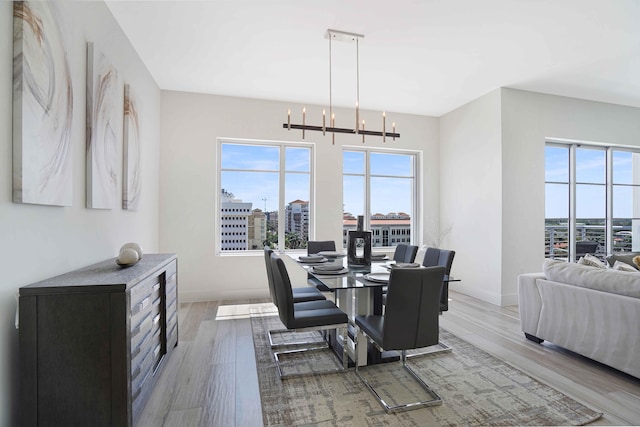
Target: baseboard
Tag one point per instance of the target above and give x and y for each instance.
(224, 295)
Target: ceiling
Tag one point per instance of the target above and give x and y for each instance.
(417, 56)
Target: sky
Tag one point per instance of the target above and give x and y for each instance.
(251, 173)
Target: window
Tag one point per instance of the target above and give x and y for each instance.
(592, 200)
(264, 195)
(381, 186)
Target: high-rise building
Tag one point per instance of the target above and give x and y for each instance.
(234, 223)
(257, 231)
(297, 218)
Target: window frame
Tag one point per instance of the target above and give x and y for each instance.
(282, 203)
(573, 184)
(416, 193)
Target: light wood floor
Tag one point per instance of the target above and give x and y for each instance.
(211, 378)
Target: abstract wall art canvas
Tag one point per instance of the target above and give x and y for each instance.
(42, 107)
(132, 181)
(103, 115)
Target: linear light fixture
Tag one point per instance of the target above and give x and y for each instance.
(359, 128)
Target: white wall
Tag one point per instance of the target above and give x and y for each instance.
(190, 125)
(528, 119)
(470, 196)
(37, 242)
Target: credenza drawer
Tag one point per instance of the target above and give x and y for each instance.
(143, 289)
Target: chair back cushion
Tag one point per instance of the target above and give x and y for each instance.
(410, 253)
(413, 307)
(441, 257)
(446, 260)
(315, 246)
(267, 261)
(431, 257)
(282, 287)
(400, 252)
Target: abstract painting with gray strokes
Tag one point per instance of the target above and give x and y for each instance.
(42, 107)
(103, 118)
(132, 181)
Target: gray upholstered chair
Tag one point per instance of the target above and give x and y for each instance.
(405, 253)
(300, 294)
(410, 321)
(307, 297)
(443, 258)
(297, 318)
(315, 246)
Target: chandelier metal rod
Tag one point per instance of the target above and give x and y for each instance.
(340, 130)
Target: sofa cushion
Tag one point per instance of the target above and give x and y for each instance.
(609, 280)
(623, 266)
(626, 257)
(592, 261)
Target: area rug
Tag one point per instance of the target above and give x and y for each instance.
(477, 389)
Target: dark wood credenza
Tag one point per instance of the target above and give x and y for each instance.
(92, 342)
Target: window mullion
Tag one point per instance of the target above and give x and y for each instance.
(281, 201)
(609, 198)
(367, 191)
(572, 203)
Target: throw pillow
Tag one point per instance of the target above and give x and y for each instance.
(622, 266)
(636, 261)
(591, 261)
(626, 257)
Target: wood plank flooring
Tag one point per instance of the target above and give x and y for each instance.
(211, 378)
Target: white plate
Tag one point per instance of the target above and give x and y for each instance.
(331, 254)
(330, 272)
(377, 277)
(312, 259)
(405, 265)
(329, 267)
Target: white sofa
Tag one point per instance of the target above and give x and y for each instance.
(591, 311)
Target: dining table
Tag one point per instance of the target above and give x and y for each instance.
(358, 290)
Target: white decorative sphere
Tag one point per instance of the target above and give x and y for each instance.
(136, 247)
(128, 256)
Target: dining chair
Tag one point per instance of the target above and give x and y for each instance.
(405, 253)
(307, 298)
(315, 246)
(300, 294)
(443, 258)
(410, 321)
(297, 318)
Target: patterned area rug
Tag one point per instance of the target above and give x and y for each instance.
(477, 389)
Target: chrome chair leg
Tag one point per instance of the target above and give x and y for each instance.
(435, 400)
(320, 341)
(443, 348)
(339, 368)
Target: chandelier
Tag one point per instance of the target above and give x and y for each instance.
(359, 128)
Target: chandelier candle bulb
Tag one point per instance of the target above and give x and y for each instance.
(384, 127)
(363, 131)
(393, 125)
(357, 117)
(324, 128)
(289, 119)
(304, 115)
(333, 125)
